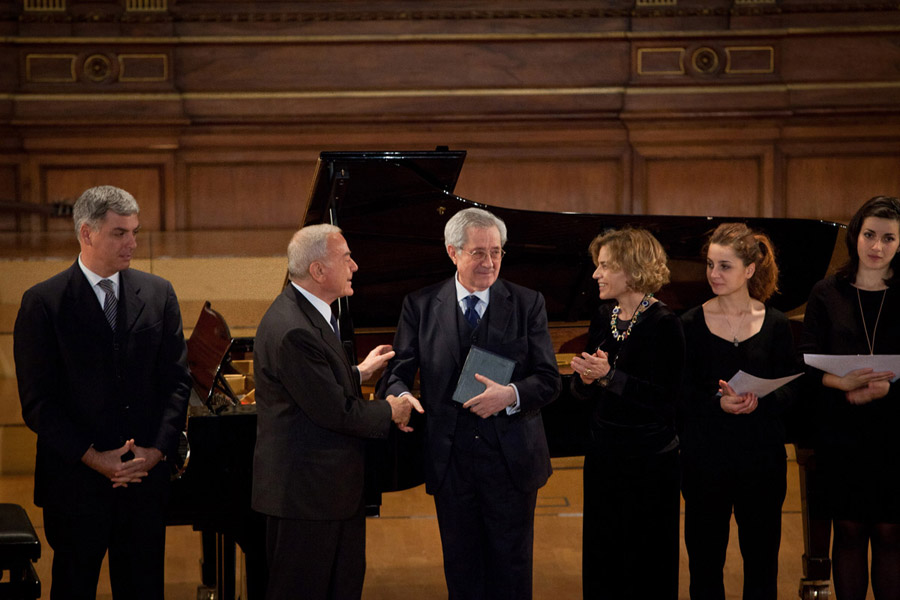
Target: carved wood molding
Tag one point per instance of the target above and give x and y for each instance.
(159, 11)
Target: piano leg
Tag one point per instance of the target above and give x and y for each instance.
(816, 531)
(207, 566)
(225, 555)
(218, 576)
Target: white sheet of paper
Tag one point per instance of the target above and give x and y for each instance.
(745, 383)
(841, 364)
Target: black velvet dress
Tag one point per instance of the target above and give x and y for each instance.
(631, 469)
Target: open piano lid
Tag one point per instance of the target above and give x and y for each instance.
(351, 180)
(392, 207)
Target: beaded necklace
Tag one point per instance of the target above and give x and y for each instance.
(621, 337)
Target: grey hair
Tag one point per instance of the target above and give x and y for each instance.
(93, 204)
(307, 246)
(457, 228)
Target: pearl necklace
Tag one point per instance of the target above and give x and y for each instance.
(621, 337)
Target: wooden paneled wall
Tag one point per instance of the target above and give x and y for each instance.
(213, 112)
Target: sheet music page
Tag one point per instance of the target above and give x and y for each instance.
(745, 383)
(841, 364)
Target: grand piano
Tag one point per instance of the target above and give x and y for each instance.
(392, 207)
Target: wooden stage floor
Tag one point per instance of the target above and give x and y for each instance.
(404, 555)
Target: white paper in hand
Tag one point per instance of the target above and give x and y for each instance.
(841, 364)
(745, 383)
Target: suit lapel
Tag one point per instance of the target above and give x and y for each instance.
(86, 309)
(501, 307)
(133, 303)
(445, 311)
(319, 323)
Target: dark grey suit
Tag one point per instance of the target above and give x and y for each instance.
(83, 386)
(429, 341)
(310, 452)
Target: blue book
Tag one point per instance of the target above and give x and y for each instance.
(493, 366)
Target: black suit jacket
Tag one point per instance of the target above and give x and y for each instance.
(311, 419)
(82, 385)
(427, 341)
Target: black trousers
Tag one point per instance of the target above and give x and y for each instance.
(133, 532)
(756, 497)
(316, 560)
(486, 523)
(631, 520)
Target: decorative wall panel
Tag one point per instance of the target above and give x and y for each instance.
(713, 186)
(832, 187)
(9, 191)
(93, 67)
(64, 183)
(50, 68)
(749, 60)
(577, 185)
(247, 195)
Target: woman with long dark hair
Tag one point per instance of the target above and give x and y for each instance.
(857, 311)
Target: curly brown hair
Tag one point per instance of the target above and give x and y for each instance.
(638, 254)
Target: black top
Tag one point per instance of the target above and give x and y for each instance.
(635, 414)
(833, 325)
(710, 435)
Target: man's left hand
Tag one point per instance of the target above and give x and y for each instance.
(492, 400)
(377, 359)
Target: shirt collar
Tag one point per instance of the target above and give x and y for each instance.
(461, 292)
(94, 279)
(320, 305)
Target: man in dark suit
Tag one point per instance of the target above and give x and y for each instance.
(312, 426)
(484, 459)
(103, 380)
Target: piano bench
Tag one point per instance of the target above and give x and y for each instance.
(19, 547)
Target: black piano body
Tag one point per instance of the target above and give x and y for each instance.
(392, 207)
(211, 487)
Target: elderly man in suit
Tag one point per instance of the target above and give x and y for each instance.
(486, 458)
(312, 427)
(103, 380)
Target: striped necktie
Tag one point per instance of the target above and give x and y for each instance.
(109, 303)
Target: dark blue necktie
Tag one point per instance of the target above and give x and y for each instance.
(334, 325)
(110, 305)
(471, 314)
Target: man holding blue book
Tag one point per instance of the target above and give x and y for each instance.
(486, 457)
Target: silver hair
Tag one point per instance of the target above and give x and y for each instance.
(307, 246)
(93, 204)
(456, 231)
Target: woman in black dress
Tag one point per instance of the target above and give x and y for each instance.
(857, 311)
(732, 446)
(631, 374)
